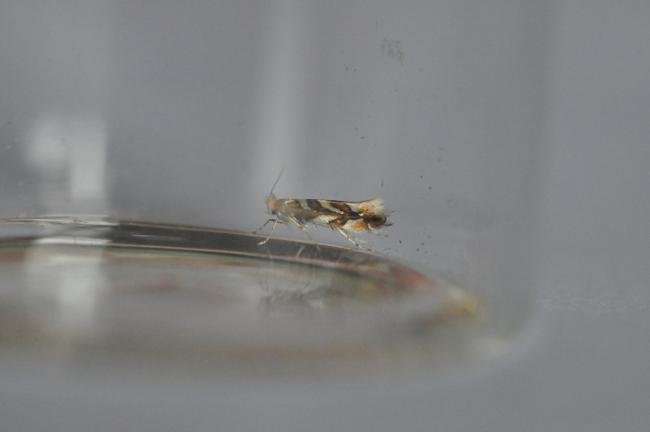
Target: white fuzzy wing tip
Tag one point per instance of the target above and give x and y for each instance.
(375, 206)
(379, 204)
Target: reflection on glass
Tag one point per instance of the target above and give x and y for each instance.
(69, 157)
(71, 293)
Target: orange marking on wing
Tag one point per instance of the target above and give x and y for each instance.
(357, 225)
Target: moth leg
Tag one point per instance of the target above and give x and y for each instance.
(275, 223)
(265, 224)
(303, 228)
(355, 242)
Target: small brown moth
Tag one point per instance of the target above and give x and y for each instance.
(345, 217)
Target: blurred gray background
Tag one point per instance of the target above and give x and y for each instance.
(510, 139)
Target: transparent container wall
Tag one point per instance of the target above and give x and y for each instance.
(186, 113)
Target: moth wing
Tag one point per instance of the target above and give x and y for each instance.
(370, 207)
(356, 225)
(338, 207)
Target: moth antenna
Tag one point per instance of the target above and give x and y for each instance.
(276, 181)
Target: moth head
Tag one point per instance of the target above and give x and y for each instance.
(272, 203)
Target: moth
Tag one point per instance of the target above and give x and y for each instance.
(345, 217)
